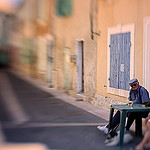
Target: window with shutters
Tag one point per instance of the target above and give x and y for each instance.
(63, 7)
(120, 59)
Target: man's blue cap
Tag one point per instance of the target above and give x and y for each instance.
(133, 81)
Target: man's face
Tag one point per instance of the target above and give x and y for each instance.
(134, 86)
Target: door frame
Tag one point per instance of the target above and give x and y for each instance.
(80, 65)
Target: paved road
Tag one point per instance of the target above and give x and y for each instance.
(46, 119)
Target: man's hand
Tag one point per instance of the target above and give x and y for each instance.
(147, 103)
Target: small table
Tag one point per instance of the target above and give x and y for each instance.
(124, 109)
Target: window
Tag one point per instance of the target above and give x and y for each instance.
(63, 7)
(120, 67)
(120, 60)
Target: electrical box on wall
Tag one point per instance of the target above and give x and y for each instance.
(73, 58)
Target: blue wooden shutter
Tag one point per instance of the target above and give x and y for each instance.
(124, 75)
(63, 7)
(120, 60)
(113, 61)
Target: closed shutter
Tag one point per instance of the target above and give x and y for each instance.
(120, 60)
(114, 61)
(124, 73)
(27, 54)
(63, 7)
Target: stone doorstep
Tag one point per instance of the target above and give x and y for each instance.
(35, 146)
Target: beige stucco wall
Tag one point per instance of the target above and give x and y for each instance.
(37, 29)
(23, 29)
(111, 13)
(69, 30)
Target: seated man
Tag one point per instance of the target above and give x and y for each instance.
(139, 95)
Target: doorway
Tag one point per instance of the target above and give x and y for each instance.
(80, 66)
(50, 49)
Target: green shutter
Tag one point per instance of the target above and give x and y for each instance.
(27, 53)
(63, 7)
(58, 7)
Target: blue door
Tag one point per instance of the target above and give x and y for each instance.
(120, 60)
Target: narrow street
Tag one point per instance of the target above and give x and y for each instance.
(30, 115)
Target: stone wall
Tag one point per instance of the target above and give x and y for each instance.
(102, 101)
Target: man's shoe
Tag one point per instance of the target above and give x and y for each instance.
(103, 129)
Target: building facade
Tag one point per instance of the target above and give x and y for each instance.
(57, 43)
(123, 48)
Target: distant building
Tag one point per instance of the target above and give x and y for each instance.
(57, 43)
(76, 47)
